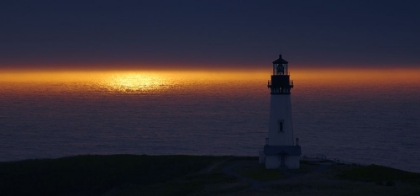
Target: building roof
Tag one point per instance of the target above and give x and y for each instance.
(280, 61)
(288, 150)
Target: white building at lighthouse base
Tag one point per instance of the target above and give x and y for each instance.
(281, 157)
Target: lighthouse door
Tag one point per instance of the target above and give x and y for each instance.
(282, 160)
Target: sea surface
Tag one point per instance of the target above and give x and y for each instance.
(366, 120)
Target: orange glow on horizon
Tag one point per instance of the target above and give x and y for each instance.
(203, 75)
(356, 74)
(147, 81)
(53, 76)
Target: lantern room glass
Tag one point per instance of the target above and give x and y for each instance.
(280, 69)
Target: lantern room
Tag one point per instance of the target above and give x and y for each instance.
(280, 80)
(280, 66)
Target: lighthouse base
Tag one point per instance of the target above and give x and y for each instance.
(282, 157)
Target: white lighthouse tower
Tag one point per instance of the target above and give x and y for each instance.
(280, 151)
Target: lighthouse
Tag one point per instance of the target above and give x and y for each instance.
(280, 149)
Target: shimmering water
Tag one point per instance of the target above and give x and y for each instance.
(355, 120)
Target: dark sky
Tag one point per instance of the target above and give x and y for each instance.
(213, 33)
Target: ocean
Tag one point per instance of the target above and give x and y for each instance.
(362, 117)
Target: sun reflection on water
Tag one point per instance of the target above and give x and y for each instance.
(129, 82)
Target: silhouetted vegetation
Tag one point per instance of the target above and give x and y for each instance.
(196, 175)
(94, 174)
(260, 173)
(380, 174)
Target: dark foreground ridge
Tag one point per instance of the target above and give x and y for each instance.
(197, 175)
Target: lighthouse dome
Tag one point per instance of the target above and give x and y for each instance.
(280, 61)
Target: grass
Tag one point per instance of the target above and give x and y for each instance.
(94, 174)
(380, 174)
(304, 168)
(259, 173)
(349, 180)
(192, 184)
(187, 175)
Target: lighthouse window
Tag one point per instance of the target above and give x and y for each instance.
(280, 69)
(281, 124)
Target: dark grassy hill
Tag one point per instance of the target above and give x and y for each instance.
(197, 175)
(94, 174)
